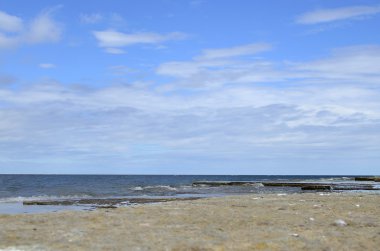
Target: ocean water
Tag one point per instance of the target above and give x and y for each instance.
(14, 189)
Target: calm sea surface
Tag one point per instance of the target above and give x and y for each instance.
(14, 189)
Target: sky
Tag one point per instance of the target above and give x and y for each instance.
(190, 87)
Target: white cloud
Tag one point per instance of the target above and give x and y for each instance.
(140, 126)
(10, 23)
(92, 18)
(42, 29)
(331, 15)
(350, 65)
(113, 39)
(216, 67)
(357, 64)
(46, 65)
(236, 124)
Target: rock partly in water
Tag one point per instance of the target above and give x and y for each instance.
(105, 202)
(323, 186)
(368, 178)
(317, 187)
(328, 186)
(225, 183)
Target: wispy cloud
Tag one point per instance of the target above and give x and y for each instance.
(91, 18)
(120, 70)
(42, 29)
(114, 50)
(111, 19)
(331, 15)
(348, 65)
(6, 79)
(243, 50)
(356, 64)
(216, 67)
(47, 65)
(111, 39)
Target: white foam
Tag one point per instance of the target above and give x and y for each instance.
(42, 197)
(137, 188)
(160, 186)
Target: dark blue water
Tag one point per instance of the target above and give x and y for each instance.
(27, 187)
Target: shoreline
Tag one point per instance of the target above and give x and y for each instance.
(306, 221)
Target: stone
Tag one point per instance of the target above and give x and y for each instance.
(340, 223)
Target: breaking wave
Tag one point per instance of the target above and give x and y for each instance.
(42, 197)
(159, 187)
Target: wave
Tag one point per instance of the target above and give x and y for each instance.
(332, 179)
(43, 197)
(158, 187)
(339, 178)
(137, 188)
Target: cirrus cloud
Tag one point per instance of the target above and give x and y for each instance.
(331, 15)
(113, 40)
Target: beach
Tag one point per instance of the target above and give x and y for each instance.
(305, 221)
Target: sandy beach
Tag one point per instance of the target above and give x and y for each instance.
(315, 221)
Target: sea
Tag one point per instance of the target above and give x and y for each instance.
(15, 189)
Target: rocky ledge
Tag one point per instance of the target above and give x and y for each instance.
(105, 202)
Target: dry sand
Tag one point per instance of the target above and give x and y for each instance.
(348, 221)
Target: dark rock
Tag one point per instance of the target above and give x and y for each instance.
(317, 187)
(368, 178)
(323, 186)
(225, 183)
(302, 185)
(105, 202)
(107, 206)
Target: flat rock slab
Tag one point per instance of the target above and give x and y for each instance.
(325, 186)
(317, 187)
(102, 202)
(302, 185)
(225, 183)
(369, 178)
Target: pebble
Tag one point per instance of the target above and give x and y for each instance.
(340, 223)
(295, 235)
(312, 219)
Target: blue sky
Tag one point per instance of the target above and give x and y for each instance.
(190, 87)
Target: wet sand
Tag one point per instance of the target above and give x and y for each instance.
(309, 221)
